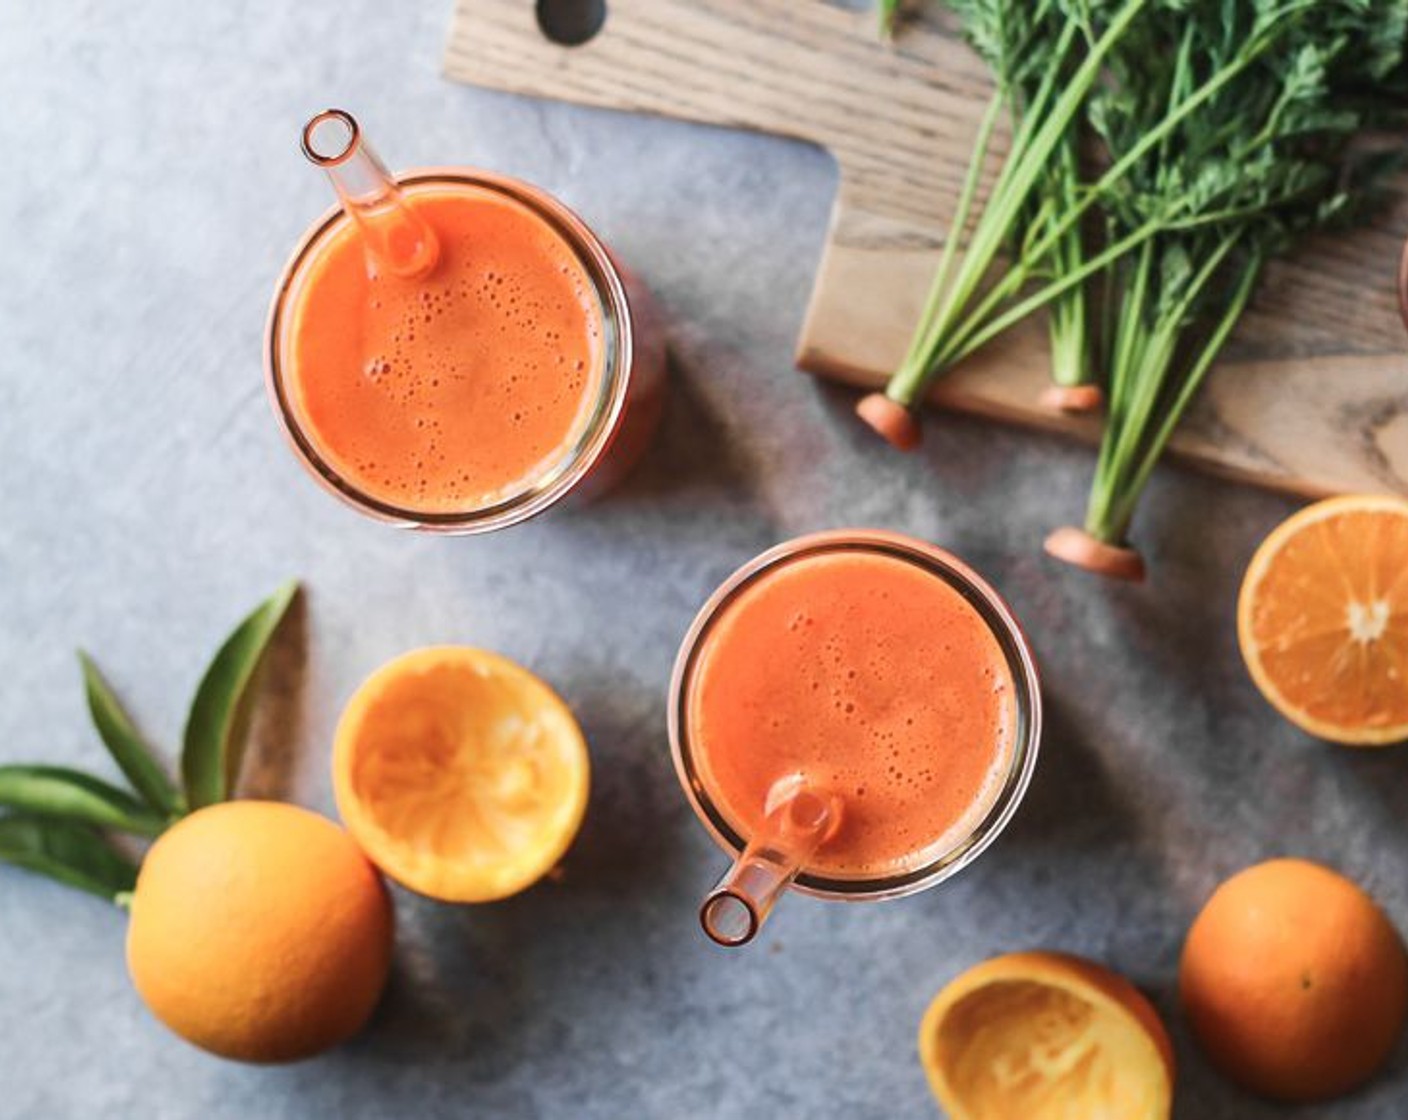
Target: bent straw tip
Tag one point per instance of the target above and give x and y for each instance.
(1075, 546)
(891, 420)
(1072, 399)
(729, 919)
(798, 819)
(330, 137)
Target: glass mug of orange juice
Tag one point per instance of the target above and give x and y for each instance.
(855, 715)
(454, 350)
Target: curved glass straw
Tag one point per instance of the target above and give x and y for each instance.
(397, 239)
(799, 820)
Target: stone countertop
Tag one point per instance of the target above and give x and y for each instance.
(153, 190)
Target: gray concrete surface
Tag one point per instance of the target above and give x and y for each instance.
(152, 188)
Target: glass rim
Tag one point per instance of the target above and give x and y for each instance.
(600, 428)
(994, 611)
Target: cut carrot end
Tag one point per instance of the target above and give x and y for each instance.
(895, 423)
(1072, 398)
(1078, 547)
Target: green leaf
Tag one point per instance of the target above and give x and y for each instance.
(214, 741)
(56, 791)
(71, 853)
(128, 749)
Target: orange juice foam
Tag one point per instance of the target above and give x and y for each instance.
(875, 680)
(450, 391)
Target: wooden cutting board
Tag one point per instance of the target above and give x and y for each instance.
(1313, 397)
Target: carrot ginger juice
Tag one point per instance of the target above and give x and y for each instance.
(454, 389)
(878, 670)
(455, 350)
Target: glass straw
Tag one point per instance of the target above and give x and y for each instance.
(397, 239)
(799, 819)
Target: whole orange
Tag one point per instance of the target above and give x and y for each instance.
(1294, 981)
(259, 932)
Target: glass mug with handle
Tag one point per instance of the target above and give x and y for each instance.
(854, 715)
(454, 350)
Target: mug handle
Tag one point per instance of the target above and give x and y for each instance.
(1403, 284)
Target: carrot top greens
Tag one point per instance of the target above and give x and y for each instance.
(1264, 160)
(1219, 133)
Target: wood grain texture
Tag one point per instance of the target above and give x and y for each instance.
(1313, 398)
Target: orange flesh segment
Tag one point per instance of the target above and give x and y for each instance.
(1325, 619)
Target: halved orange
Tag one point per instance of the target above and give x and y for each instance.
(462, 775)
(1323, 620)
(1046, 1036)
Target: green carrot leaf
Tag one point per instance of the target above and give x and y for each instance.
(71, 853)
(129, 750)
(1232, 148)
(215, 729)
(61, 793)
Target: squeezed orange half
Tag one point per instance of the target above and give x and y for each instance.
(462, 775)
(1046, 1036)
